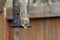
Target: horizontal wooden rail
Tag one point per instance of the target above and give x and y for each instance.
(38, 16)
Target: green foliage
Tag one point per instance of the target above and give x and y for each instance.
(43, 1)
(33, 1)
(9, 3)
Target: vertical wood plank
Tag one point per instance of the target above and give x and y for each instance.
(47, 29)
(2, 27)
(42, 29)
(57, 28)
(53, 29)
(15, 33)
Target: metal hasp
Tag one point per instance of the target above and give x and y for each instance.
(16, 14)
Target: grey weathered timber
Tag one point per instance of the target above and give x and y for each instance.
(16, 14)
(37, 15)
(44, 11)
(15, 33)
(16, 18)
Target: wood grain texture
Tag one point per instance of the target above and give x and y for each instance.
(2, 27)
(42, 29)
(34, 15)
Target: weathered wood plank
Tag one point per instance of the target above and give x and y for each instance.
(2, 27)
(43, 11)
(42, 29)
(38, 16)
(34, 15)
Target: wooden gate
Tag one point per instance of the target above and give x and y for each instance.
(45, 26)
(42, 29)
